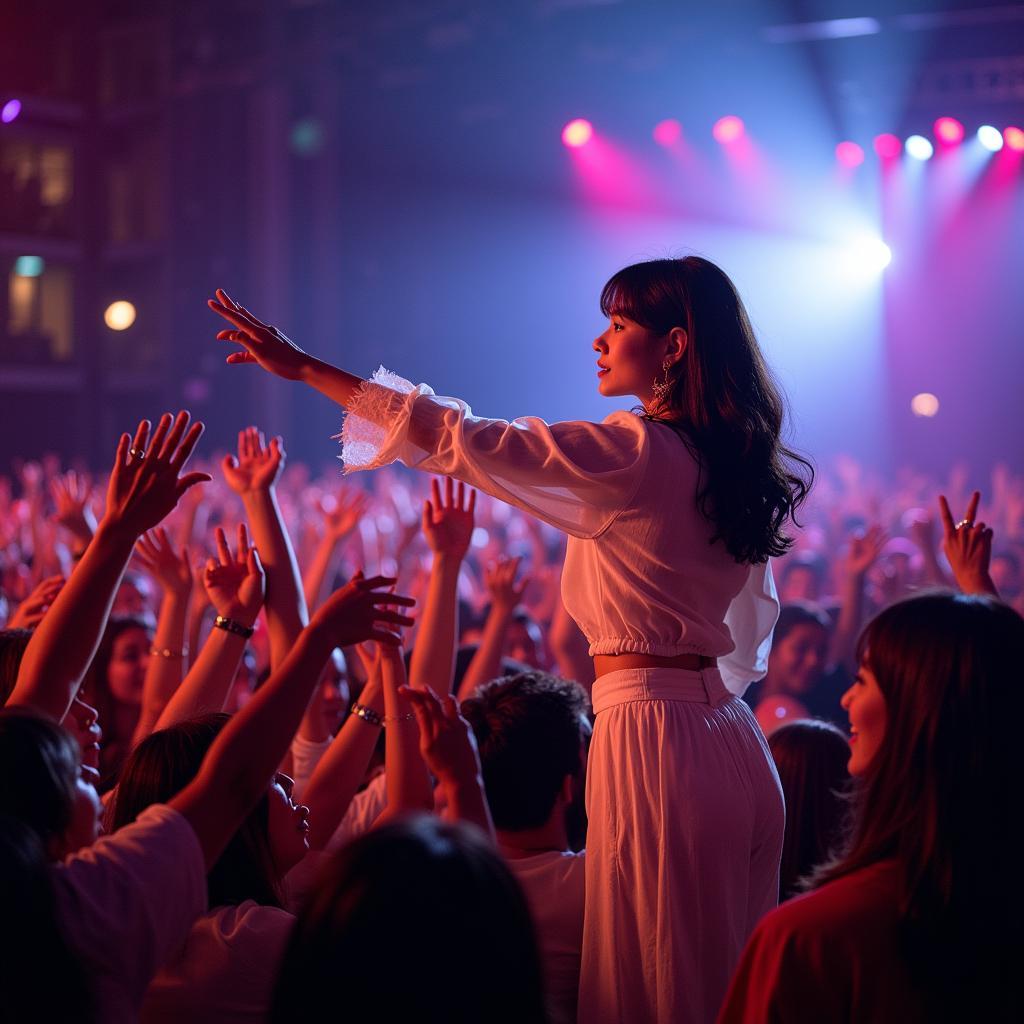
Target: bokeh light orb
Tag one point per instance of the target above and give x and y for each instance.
(991, 138)
(120, 315)
(949, 131)
(10, 110)
(29, 266)
(728, 129)
(306, 137)
(925, 404)
(918, 147)
(888, 146)
(668, 132)
(849, 154)
(1014, 138)
(577, 133)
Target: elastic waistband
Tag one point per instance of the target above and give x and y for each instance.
(639, 684)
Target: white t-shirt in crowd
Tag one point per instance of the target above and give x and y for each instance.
(553, 884)
(225, 971)
(127, 902)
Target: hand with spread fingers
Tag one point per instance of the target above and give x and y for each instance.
(447, 742)
(968, 546)
(357, 612)
(146, 481)
(260, 343)
(30, 612)
(500, 581)
(71, 493)
(864, 549)
(344, 513)
(234, 581)
(258, 465)
(171, 569)
(448, 521)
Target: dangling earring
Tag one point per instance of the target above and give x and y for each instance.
(661, 388)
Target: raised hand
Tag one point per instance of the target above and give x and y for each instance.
(864, 550)
(261, 344)
(171, 569)
(258, 465)
(146, 481)
(71, 493)
(447, 742)
(235, 582)
(500, 581)
(357, 612)
(31, 611)
(342, 515)
(448, 523)
(968, 546)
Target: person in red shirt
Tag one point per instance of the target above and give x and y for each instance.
(918, 918)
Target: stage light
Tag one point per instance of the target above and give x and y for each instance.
(10, 110)
(29, 266)
(919, 147)
(577, 133)
(728, 129)
(991, 138)
(119, 316)
(888, 146)
(871, 253)
(1014, 139)
(849, 154)
(924, 404)
(949, 131)
(668, 132)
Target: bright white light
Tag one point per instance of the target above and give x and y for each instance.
(924, 404)
(119, 316)
(871, 254)
(991, 138)
(919, 147)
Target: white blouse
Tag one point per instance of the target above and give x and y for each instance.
(641, 574)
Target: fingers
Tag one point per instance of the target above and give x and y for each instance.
(393, 599)
(253, 563)
(163, 425)
(243, 542)
(449, 489)
(472, 501)
(141, 436)
(946, 515)
(435, 493)
(972, 506)
(383, 636)
(121, 455)
(184, 452)
(375, 582)
(222, 546)
(241, 357)
(383, 615)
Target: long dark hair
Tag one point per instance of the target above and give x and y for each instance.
(723, 403)
(939, 794)
(437, 889)
(160, 767)
(811, 758)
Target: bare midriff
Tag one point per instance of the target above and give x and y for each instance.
(605, 663)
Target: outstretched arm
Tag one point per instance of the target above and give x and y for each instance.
(968, 546)
(864, 549)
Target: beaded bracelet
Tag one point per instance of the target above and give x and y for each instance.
(230, 626)
(367, 714)
(399, 718)
(166, 652)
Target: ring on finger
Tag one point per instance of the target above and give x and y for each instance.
(964, 522)
(137, 453)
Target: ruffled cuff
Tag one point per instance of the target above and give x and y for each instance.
(377, 422)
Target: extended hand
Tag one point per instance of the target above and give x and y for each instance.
(357, 612)
(864, 550)
(170, 568)
(71, 493)
(447, 742)
(448, 523)
(500, 581)
(968, 546)
(258, 465)
(30, 612)
(348, 509)
(235, 582)
(261, 344)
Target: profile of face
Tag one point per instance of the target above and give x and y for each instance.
(864, 703)
(129, 658)
(334, 691)
(797, 661)
(630, 357)
(81, 722)
(287, 824)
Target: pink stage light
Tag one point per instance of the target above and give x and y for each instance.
(888, 146)
(668, 132)
(849, 154)
(1014, 139)
(728, 129)
(949, 131)
(11, 109)
(577, 133)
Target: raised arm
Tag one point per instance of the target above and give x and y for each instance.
(968, 546)
(145, 484)
(253, 475)
(339, 522)
(863, 550)
(448, 528)
(245, 755)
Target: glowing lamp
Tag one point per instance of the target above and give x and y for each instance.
(849, 154)
(119, 316)
(577, 133)
(1014, 139)
(888, 146)
(918, 147)
(10, 110)
(949, 131)
(668, 132)
(991, 138)
(924, 404)
(728, 129)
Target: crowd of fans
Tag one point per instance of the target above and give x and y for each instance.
(420, 847)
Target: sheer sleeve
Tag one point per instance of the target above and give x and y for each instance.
(577, 476)
(751, 620)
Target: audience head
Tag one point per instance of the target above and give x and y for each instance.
(417, 920)
(525, 641)
(799, 650)
(803, 577)
(530, 730)
(811, 760)
(270, 842)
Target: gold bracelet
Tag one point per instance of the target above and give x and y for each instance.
(166, 652)
(367, 714)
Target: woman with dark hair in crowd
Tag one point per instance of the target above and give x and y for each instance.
(672, 516)
(918, 919)
(811, 760)
(467, 944)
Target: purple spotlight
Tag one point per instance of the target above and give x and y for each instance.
(668, 132)
(849, 154)
(11, 109)
(728, 129)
